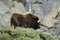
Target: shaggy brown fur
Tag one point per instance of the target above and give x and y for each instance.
(28, 20)
(17, 20)
(32, 21)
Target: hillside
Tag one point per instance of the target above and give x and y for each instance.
(46, 10)
(7, 33)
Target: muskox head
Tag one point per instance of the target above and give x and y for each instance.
(32, 21)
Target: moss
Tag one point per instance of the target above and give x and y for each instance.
(5, 36)
(25, 34)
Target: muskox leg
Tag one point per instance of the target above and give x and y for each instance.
(14, 27)
(13, 23)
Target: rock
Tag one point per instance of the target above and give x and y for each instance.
(18, 8)
(7, 11)
(3, 10)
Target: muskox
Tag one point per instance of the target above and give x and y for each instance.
(25, 20)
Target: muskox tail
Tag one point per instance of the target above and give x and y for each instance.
(11, 22)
